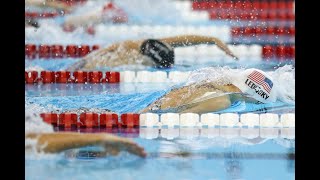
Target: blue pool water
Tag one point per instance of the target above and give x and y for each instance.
(208, 158)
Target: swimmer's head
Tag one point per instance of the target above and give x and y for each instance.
(31, 22)
(162, 54)
(257, 84)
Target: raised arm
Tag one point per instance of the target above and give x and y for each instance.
(58, 142)
(189, 40)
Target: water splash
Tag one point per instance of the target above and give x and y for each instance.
(283, 77)
(33, 121)
(220, 75)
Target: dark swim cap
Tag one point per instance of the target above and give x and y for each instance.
(161, 53)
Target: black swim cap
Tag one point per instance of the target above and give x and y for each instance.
(161, 53)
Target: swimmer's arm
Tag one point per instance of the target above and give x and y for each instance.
(58, 142)
(91, 57)
(215, 103)
(49, 3)
(208, 105)
(189, 40)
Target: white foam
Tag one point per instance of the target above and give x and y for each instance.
(283, 77)
(33, 121)
(219, 75)
(34, 124)
(284, 83)
(34, 68)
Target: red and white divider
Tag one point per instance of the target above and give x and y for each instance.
(170, 120)
(44, 77)
(244, 10)
(174, 125)
(45, 51)
(41, 14)
(263, 31)
(243, 5)
(245, 52)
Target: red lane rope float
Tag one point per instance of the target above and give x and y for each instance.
(68, 120)
(262, 31)
(88, 120)
(91, 120)
(41, 14)
(280, 52)
(72, 2)
(50, 118)
(247, 15)
(44, 51)
(68, 77)
(129, 120)
(109, 120)
(76, 51)
(242, 5)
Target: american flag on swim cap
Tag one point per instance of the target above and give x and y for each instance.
(260, 79)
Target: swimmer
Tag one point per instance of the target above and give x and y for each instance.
(57, 142)
(251, 85)
(150, 52)
(48, 141)
(109, 13)
(55, 4)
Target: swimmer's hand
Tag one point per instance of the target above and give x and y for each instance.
(235, 57)
(225, 48)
